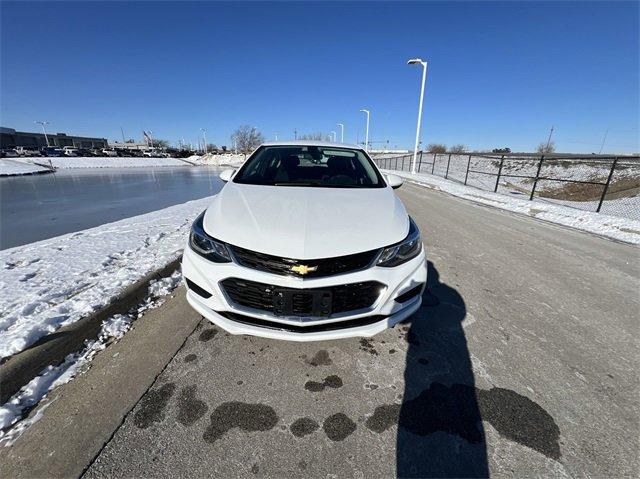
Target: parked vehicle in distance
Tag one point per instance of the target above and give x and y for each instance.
(9, 153)
(306, 241)
(27, 151)
(96, 152)
(135, 153)
(50, 151)
(83, 152)
(69, 151)
(108, 152)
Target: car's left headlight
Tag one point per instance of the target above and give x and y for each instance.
(405, 250)
(205, 245)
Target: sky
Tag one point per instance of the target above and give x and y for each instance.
(500, 74)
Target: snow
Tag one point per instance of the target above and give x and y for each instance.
(226, 159)
(13, 167)
(12, 424)
(621, 229)
(54, 282)
(107, 162)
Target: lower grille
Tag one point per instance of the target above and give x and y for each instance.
(311, 328)
(317, 302)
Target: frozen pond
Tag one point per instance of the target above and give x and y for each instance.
(37, 207)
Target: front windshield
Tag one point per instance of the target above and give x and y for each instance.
(317, 166)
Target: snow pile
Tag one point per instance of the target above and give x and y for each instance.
(226, 159)
(37, 389)
(621, 229)
(11, 167)
(110, 162)
(54, 282)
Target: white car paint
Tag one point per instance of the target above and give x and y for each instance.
(306, 223)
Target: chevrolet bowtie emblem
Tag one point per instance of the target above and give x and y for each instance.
(303, 269)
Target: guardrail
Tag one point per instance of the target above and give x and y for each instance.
(607, 184)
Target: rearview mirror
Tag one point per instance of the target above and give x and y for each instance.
(226, 175)
(394, 181)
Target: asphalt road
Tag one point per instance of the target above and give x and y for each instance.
(523, 362)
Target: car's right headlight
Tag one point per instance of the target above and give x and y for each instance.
(205, 245)
(405, 250)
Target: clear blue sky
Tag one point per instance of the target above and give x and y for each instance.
(500, 74)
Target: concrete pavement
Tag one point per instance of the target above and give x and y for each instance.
(523, 361)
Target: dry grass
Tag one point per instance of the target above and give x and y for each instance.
(622, 188)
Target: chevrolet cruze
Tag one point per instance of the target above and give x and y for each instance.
(306, 241)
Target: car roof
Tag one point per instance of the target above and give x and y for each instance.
(323, 144)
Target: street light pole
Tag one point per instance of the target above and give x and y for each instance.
(204, 138)
(44, 130)
(416, 61)
(333, 136)
(341, 132)
(276, 134)
(366, 136)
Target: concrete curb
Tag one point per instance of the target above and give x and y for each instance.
(19, 369)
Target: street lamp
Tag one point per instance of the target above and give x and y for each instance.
(341, 132)
(416, 61)
(366, 136)
(204, 139)
(333, 136)
(44, 130)
(276, 134)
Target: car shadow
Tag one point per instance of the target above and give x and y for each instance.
(440, 431)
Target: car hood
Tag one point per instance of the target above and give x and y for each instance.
(306, 223)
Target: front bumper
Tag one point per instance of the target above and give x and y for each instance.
(385, 312)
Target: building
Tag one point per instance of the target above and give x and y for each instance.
(123, 145)
(10, 138)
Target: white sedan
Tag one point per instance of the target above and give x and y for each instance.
(306, 241)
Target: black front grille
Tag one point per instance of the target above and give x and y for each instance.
(319, 302)
(323, 267)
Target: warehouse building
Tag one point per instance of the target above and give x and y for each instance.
(10, 138)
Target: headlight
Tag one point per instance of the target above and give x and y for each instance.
(402, 252)
(205, 245)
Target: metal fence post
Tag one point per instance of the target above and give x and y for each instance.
(433, 166)
(448, 162)
(395, 167)
(467, 173)
(606, 186)
(495, 190)
(402, 167)
(535, 182)
(420, 162)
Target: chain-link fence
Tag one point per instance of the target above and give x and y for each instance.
(606, 184)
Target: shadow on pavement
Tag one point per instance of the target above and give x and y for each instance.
(440, 432)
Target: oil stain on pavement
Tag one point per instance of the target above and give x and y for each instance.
(190, 409)
(248, 417)
(332, 381)
(153, 405)
(208, 334)
(338, 427)
(321, 358)
(303, 426)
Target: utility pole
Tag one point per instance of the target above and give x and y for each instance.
(418, 61)
(122, 131)
(44, 130)
(276, 135)
(549, 140)
(603, 140)
(295, 134)
(366, 136)
(333, 136)
(341, 132)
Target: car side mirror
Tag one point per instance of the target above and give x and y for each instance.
(226, 175)
(394, 181)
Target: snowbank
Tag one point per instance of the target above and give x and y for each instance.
(52, 283)
(14, 410)
(109, 162)
(14, 167)
(227, 159)
(621, 229)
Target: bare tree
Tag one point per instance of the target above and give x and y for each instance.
(211, 147)
(544, 148)
(317, 136)
(436, 148)
(247, 138)
(458, 149)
